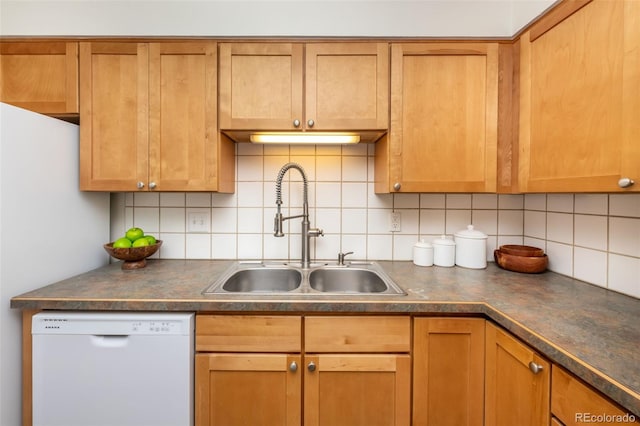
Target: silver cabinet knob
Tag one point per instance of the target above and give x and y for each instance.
(293, 367)
(296, 123)
(140, 185)
(397, 186)
(625, 183)
(535, 368)
(152, 185)
(311, 367)
(310, 123)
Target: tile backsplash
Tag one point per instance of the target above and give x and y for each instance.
(592, 237)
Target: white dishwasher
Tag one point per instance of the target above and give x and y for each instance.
(113, 369)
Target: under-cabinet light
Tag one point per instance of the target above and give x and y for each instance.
(304, 138)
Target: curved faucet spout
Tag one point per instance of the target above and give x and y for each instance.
(281, 174)
(307, 233)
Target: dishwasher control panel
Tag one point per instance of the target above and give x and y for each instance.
(111, 323)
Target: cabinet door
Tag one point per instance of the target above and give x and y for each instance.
(347, 86)
(448, 371)
(260, 86)
(514, 394)
(357, 390)
(443, 133)
(248, 389)
(579, 105)
(41, 77)
(575, 403)
(114, 99)
(183, 143)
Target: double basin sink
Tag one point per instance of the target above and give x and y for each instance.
(282, 278)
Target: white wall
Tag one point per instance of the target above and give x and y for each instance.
(306, 18)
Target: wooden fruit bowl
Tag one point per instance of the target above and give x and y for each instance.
(525, 264)
(133, 257)
(519, 250)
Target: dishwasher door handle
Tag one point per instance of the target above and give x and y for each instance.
(110, 340)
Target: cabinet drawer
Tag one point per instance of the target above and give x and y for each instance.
(572, 401)
(357, 334)
(255, 333)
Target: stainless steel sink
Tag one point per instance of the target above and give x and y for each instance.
(263, 280)
(281, 278)
(346, 280)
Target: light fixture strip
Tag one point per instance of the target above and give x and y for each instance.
(306, 138)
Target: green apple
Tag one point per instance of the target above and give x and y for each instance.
(134, 234)
(151, 239)
(140, 242)
(122, 243)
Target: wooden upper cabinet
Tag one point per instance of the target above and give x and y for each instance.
(293, 86)
(114, 109)
(580, 102)
(443, 132)
(347, 86)
(260, 85)
(149, 122)
(184, 153)
(40, 76)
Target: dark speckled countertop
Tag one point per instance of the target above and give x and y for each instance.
(593, 332)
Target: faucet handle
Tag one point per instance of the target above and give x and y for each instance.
(341, 257)
(316, 232)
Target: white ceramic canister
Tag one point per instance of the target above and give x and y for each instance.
(444, 251)
(423, 253)
(471, 248)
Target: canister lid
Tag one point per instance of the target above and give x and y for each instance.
(471, 233)
(443, 241)
(422, 244)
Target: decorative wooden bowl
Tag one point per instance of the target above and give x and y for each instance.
(525, 264)
(133, 257)
(519, 250)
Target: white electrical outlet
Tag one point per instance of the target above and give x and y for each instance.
(198, 221)
(395, 222)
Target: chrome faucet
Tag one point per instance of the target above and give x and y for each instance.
(307, 232)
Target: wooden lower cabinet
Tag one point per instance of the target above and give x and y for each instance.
(252, 370)
(448, 371)
(247, 370)
(574, 403)
(357, 390)
(517, 382)
(358, 371)
(248, 389)
(380, 370)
